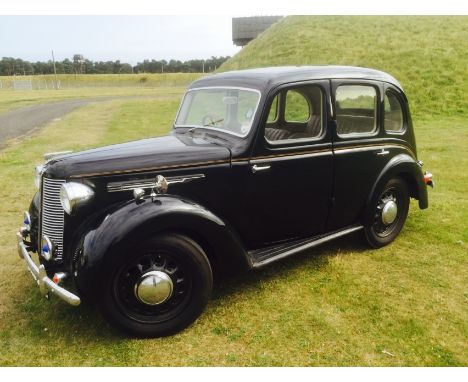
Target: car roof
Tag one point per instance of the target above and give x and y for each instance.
(266, 78)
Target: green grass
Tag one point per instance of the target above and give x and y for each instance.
(428, 55)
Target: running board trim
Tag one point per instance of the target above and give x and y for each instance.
(296, 247)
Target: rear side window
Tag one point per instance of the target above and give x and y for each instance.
(393, 119)
(356, 107)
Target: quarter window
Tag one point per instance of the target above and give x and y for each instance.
(356, 107)
(273, 115)
(393, 120)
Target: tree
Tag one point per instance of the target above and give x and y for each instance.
(78, 61)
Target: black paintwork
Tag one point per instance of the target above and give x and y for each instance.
(232, 210)
(140, 156)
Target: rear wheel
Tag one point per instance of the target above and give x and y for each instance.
(158, 288)
(389, 212)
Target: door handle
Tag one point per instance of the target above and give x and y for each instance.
(257, 168)
(383, 152)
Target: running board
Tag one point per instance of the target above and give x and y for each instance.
(265, 256)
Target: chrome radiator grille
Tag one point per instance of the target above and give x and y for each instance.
(52, 214)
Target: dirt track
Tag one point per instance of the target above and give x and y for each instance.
(20, 121)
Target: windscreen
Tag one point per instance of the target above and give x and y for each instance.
(226, 109)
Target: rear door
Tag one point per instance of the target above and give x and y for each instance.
(358, 145)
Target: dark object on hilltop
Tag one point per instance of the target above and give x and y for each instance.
(261, 164)
(245, 29)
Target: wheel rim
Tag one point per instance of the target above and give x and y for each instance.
(153, 288)
(387, 212)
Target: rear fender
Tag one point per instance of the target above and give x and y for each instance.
(405, 167)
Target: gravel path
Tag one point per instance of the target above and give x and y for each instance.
(20, 121)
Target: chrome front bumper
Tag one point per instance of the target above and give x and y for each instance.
(46, 285)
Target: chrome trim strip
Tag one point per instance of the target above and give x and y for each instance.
(305, 246)
(130, 185)
(371, 147)
(291, 157)
(39, 274)
(185, 166)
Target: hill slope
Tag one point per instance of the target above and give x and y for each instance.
(428, 55)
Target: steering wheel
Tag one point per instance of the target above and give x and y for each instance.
(209, 120)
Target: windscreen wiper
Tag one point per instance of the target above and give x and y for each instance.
(213, 123)
(206, 133)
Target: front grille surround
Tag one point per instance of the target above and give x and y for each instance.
(52, 215)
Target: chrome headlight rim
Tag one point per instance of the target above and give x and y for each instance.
(74, 195)
(38, 171)
(27, 220)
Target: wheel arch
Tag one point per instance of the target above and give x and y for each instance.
(405, 167)
(134, 221)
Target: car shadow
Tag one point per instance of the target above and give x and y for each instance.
(316, 259)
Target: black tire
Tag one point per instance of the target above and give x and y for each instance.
(378, 233)
(189, 270)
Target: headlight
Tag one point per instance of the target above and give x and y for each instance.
(38, 174)
(73, 195)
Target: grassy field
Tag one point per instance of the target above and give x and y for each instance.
(99, 85)
(66, 81)
(339, 305)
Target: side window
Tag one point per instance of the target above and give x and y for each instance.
(393, 117)
(356, 107)
(295, 114)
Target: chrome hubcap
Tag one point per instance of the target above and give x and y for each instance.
(389, 212)
(153, 288)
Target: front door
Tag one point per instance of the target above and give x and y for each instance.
(291, 167)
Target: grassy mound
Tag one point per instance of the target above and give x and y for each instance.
(428, 55)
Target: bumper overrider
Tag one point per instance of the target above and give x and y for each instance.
(46, 285)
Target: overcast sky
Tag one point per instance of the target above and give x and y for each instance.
(127, 38)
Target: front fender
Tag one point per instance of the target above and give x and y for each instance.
(406, 167)
(134, 221)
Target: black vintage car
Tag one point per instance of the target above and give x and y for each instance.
(261, 164)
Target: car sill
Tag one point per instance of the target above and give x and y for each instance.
(263, 257)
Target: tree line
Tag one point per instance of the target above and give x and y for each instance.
(79, 65)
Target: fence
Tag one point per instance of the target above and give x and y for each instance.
(22, 83)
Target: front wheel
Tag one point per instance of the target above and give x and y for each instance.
(158, 288)
(389, 212)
